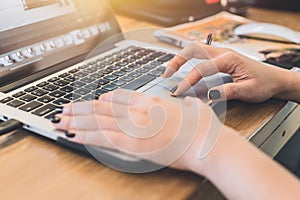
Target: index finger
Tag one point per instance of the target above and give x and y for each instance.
(193, 50)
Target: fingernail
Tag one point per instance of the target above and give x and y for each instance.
(59, 110)
(70, 134)
(55, 120)
(214, 94)
(174, 89)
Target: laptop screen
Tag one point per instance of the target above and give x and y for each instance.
(39, 34)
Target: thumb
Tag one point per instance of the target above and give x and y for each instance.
(224, 92)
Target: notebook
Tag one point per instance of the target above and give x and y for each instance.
(50, 55)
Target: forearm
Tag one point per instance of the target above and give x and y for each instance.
(243, 172)
(290, 86)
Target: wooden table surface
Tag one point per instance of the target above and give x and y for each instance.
(32, 167)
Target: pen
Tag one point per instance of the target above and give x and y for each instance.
(209, 40)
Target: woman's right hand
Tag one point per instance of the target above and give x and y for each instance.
(252, 81)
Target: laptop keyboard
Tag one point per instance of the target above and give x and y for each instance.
(130, 68)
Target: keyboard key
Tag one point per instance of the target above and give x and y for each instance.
(74, 71)
(67, 89)
(109, 87)
(53, 79)
(139, 82)
(119, 73)
(57, 94)
(98, 92)
(82, 91)
(61, 83)
(142, 70)
(87, 79)
(118, 83)
(19, 94)
(64, 75)
(28, 97)
(127, 69)
(96, 75)
(126, 78)
(32, 88)
(114, 67)
(51, 115)
(90, 97)
(31, 106)
(70, 78)
(155, 73)
(61, 101)
(101, 82)
(5, 100)
(44, 110)
(166, 58)
(135, 74)
(80, 74)
(46, 99)
(78, 84)
(15, 103)
(110, 77)
(50, 87)
(91, 86)
(39, 92)
(72, 96)
(42, 84)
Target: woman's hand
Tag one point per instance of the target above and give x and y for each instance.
(177, 132)
(252, 81)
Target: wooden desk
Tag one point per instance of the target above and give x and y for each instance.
(35, 168)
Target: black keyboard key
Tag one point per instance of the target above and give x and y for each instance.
(87, 79)
(15, 103)
(72, 96)
(46, 99)
(61, 101)
(67, 89)
(139, 82)
(108, 71)
(110, 77)
(70, 78)
(28, 97)
(109, 87)
(127, 69)
(19, 94)
(142, 70)
(118, 83)
(100, 91)
(50, 87)
(39, 92)
(126, 78)
(161, 68)
(53, 79)
(150, 66)
(114, 67)
(6, 100)
(166, 58)
(57, 94)
(91, 86)
(135, 74)
(64, 75)
(82, 91)
(31, 106)
(155, 73)
(101, 82)
(44, 110)
(96, 75)
(42, 84)
(119, 73)
(61, 83)
(121, 64)
(74, 71)
(31, 89)
(135, 66)
(78, 84)
(89, 97)
(81, 74)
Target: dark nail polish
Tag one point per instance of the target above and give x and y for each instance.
(59, 110)
(55, 120)
(174, 89)
(214, 94)
(69, 134)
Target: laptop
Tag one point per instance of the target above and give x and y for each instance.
(50, 55)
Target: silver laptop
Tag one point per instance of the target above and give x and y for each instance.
(50, 55)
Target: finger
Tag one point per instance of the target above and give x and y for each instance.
(86, 122)
(94, 107)
(230, 91)
(193, 50)
(224, 63)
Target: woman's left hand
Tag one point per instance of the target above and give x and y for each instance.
(164, 131)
